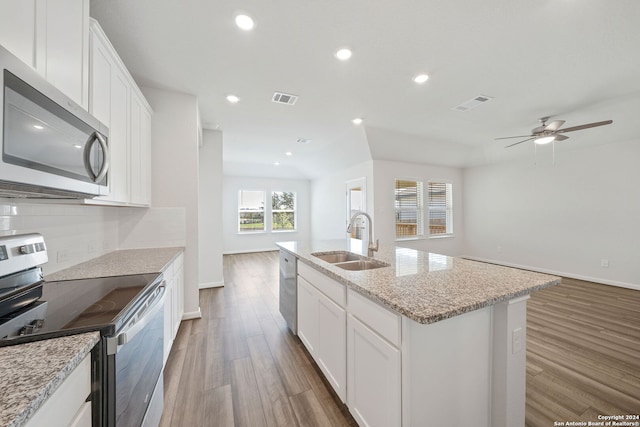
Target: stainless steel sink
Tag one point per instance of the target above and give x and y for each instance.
(337, 256)
(361, 265)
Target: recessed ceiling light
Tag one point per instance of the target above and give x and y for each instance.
(276, 163)
(343, 54)
(233, 99)
(357, 121)
(38, 127)
(288, 154)
(244, 22)
(421, 78)
(303, 141)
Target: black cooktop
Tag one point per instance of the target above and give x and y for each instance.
(102, 304)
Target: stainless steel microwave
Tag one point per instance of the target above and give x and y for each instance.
(51, 146)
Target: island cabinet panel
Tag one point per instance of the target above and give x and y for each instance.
(68, 405)
(446, 375)
(322, 328)
(386, 323)
(307, 315)
(374, 376)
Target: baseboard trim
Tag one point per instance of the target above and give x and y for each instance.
(558, 273)
(211, 285)
(249, 251)
(192, 314)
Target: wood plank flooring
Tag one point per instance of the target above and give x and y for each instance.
(583, 353)
(239, 365)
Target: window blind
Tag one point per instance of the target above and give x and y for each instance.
(408, 206)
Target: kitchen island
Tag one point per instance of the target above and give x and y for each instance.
(424, 339)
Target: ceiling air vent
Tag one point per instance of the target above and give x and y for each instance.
(473, 103)
(284, 98)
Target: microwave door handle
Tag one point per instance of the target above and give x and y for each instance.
(144, 319)
(95, 136)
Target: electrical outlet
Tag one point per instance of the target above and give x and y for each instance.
(91, 248)
(517, 338)
(105, 245)
(604, 263)
(499, 249)
(63, 256)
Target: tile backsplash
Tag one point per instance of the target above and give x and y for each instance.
(77, 233)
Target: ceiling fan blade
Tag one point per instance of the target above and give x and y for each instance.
(554, 125)
(561, 137)
(520, 142)
(587, 126)
(509, 137)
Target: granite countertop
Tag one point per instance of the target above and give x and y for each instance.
(31, 372)
(422, 286)
(120, 263)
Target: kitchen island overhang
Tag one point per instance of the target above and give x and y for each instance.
(463, 330)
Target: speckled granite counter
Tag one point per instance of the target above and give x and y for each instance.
(30, 373)
(119, 263)
(425, 287)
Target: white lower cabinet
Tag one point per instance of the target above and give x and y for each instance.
(332, 345)
(374, 375)
(322, 326)
(173, 305)
(67, 406)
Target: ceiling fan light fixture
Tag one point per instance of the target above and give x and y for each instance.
(544, 139)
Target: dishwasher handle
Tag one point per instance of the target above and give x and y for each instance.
(143, 316)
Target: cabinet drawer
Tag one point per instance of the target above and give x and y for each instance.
(334, 290)
(382, 321)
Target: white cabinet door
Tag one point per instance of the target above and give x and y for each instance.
(18, 28)
(109, 103)
(307, 315)
(168, 318)
(140, 151)
(332, 344)
(67, 403)
(178, 307)
(63, 55)
(374, 388)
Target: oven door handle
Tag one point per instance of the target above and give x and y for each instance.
(140, 319)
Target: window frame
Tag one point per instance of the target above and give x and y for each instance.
(419, 209)
(263, 211)
(294, 210)
(447, 210)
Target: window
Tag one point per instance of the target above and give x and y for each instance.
(409, 218)
(283, 211)
(440, 201)
(250, 211)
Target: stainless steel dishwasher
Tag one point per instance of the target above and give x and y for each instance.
(289, 290)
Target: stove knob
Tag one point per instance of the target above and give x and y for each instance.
(27, 249)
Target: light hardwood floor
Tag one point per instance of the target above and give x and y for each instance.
(240, 366)
(583, 353)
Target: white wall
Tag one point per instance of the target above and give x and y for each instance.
(210, 210)
(253, 242)
(151, 228)
(562, 219)
(385, 175)
(329, 201)
(174, 179)
(72, 233)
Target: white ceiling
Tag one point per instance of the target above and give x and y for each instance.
(577, 60)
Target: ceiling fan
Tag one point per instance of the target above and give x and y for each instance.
(546, 133)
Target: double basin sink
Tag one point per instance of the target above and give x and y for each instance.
(349, 260)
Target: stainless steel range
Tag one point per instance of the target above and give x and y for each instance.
(126, 310)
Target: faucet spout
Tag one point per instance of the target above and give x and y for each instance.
(372, 247)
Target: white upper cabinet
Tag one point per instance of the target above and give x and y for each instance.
(116, 101)
(18, 29)
(51, 36)
(63, 56)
